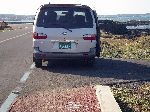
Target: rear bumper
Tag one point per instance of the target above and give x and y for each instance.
(62, 55)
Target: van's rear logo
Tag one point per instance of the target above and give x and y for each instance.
(64, 33)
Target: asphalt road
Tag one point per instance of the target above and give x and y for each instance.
(16, 59)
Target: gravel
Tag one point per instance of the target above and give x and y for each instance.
(73, 100)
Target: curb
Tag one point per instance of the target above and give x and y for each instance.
(106, 99)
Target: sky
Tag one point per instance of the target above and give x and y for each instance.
(103, 7)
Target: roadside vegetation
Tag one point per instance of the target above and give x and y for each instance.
(131, 97)
(4, 26)
(134, 97)
(115, 46)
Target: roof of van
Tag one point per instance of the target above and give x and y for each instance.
(65, 5)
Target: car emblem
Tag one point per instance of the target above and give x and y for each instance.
(64, 33)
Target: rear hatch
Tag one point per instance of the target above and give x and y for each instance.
(65, 29)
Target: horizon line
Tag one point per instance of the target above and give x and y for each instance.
(98, 14)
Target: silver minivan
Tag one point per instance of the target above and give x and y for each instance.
(65, 31)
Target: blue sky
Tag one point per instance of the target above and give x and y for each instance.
(103, 7)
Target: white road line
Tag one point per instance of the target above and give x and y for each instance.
(32, 66)
(25, 77)
(26, 74)
(10, 99)
(18, 36)
(6, 105)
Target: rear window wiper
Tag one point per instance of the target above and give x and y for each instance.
(66, 28)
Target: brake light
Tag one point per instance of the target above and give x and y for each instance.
(39, 35)
(89, 37)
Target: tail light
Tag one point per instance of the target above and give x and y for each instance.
(89, 37)
(39, 35)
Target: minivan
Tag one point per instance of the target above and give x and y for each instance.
(65, 31)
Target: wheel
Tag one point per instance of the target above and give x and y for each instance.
(38, 62)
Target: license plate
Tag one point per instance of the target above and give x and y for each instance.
(64, 45)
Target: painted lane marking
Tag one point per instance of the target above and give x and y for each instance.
(25, 77)
(32, 66)
(26, 74)
(11, 98)
(18, 36)
(6, 105)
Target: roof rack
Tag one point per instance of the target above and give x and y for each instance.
(64, 5)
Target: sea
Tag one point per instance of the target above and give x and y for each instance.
(128, 17)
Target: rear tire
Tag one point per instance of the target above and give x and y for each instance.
(38, 63)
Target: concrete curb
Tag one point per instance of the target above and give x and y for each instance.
(106, 99)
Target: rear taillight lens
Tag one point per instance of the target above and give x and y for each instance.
(89, 37)
(39, 35)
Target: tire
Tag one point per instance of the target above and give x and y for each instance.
(38, 63)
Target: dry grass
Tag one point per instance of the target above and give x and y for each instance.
(137, 48)
(135, 99)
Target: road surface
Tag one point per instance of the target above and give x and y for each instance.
(15, 58)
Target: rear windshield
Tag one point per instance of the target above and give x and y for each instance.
(59, 17)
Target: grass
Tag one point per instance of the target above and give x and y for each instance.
(136, 99)
(137, 48)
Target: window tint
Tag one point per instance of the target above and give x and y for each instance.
(65, 17)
